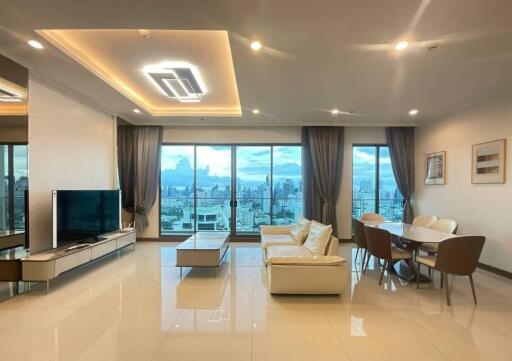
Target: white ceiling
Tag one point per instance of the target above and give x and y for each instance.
(317, 55)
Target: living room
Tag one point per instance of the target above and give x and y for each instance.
(255, 180)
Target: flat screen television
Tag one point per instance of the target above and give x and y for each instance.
(82, 216)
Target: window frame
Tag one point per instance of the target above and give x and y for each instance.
(377, 147)
(10, 179)
(233, 232)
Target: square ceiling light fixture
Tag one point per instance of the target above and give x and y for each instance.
(177, 80)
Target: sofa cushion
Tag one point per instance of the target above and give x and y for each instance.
(287, 251)
(300, 230)
(265, 229)
(308, 261)
(318, 237)
(268, 240)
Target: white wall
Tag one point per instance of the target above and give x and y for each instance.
(482, 209)
(218, 135)
(71, 146)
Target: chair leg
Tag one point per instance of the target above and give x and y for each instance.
(473, 288)
(384, 266)
(442, 280)
(418, 276)
(364, 259)
(447, 289)
(357, 252)
(367, 262)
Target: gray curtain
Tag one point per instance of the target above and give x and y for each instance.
(401, 150)
(322, 171)
(147, 146)
(125, 165)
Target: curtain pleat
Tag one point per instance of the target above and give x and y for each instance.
(125, 165)
(322, 172)
(401, 150)
(147, 146)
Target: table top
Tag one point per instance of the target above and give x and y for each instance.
(204, 241)
(413, 233)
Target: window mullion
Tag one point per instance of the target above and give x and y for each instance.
(271, 212)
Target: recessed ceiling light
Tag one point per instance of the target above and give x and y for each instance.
(335, 111)
(35, 44)
(413, 112)
(255, 111)
(256, 45)
(401, 45)
(136, 110)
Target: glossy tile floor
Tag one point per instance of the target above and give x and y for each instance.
(135, 307)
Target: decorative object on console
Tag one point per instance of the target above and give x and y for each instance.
(488, 162)
(435, 168)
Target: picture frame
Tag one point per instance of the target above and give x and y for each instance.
(488, 162)
(435, 168)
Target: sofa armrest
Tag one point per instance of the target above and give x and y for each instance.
(276, 229)
(308, 261)
(332, 248)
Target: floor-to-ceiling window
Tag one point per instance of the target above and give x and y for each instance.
(232, 188)
(14, 182)
(374, 188)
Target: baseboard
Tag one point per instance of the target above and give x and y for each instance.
(495, 270)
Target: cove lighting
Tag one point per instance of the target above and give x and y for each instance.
(177, 80)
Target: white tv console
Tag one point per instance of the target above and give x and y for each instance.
(47, 265)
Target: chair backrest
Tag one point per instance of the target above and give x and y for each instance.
(444, 225)
(359, 235)
(459, 255)
(378, 242)
(424, 221)
(373, 217)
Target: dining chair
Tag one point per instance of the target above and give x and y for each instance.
(424, 221)
(441, 225)
(458, 256)
(371, 217)
(360, 240)
(380, 246)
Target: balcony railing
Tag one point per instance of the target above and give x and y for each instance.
(391, 208)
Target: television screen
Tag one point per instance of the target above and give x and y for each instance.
(82, 215)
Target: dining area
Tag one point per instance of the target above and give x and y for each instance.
(414, 252)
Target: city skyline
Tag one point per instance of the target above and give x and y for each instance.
(257, 201)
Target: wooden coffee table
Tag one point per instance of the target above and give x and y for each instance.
(203, 249)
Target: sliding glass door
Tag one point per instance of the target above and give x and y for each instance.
(177, 188)
(233, 188)
(253, 199)
(213, 188)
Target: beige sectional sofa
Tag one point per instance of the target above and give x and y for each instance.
(303, 259)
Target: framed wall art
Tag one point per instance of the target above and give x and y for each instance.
(435, 168)
(488, 165)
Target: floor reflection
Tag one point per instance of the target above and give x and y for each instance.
(137, 307)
